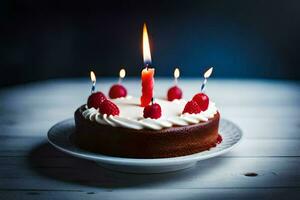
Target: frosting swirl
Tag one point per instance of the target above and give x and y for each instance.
(131, 115)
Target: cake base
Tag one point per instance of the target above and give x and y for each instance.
(131, 143)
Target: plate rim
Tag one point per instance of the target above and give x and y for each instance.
(77, 152)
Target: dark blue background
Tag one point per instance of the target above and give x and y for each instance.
(242, 39)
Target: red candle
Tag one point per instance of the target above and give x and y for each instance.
(147, 86)
(147, 73)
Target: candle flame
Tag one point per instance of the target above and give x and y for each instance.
(122, 73)
(176, 73)
(146, 46)
(208, 72)
(93, 77)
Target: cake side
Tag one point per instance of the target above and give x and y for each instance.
(145, 143)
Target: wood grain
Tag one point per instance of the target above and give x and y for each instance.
(148, 194)
(267, 112)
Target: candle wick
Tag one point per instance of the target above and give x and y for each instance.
(152, 101)
(147, 66)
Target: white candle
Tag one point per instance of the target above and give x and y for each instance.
(93, 79)
(122, 74)
(176, 75)
(206, 76)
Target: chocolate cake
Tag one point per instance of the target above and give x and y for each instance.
(132, 136)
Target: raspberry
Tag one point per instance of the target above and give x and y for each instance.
(117, 91)
(109, 108)
(202, 100)
(152, 111)
(174, 93)
(95, 99)
(191, 107)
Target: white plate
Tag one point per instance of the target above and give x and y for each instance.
(59, 137)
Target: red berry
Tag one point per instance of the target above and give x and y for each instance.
(95, 99)
(191, 107)
(202, 100)
(219, 139)
(109, 108)
(117, 91)
(152, 111)
(174, 93)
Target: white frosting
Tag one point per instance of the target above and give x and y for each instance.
(131, 115)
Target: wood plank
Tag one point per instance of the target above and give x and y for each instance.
(268, 128)
(257, 106)
(224, 92)
(48, 102)
(73, 174)
(31, 169)
(146, 194)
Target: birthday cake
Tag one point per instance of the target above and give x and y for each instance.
(126, 126)
(121, 127)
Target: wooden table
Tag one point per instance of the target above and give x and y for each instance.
(266, 164)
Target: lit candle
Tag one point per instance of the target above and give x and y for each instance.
(176, 75)
(206, 76)
(118, 90)
(147, 72)
(122, 74)
(175, 92)
(93, 79)
(201, 98)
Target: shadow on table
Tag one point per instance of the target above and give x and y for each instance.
(51, 163)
